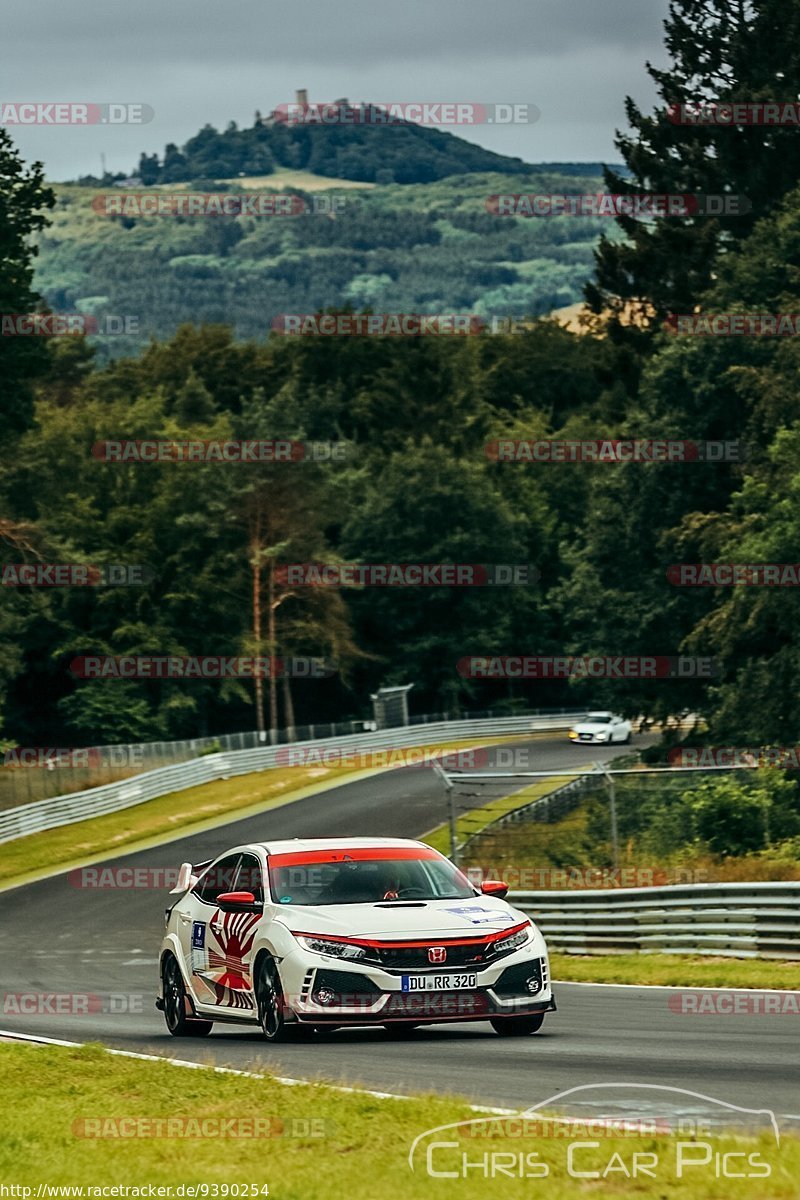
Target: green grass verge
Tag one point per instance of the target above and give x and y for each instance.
(187, 811)
(471, 823)
(157, 820)
(676, 970)
(580, 840)
(327, 1144)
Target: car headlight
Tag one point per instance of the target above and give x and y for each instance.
(320, 945)
(514, 942)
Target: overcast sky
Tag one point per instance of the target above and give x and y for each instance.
(198, 61)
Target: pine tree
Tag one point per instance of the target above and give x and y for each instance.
(194, 404)
(723, 51)
(22, 197)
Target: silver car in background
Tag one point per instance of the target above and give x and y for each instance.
(602, 727)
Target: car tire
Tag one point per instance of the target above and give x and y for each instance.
(627, 741)
(174, 991)
(269, 1000)
(517, 1026)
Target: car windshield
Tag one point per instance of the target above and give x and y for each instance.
(599, 718)
(363, 880)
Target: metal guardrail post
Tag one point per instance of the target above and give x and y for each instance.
(66, 809)
(738, 920)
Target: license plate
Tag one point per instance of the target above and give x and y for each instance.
(437, 983)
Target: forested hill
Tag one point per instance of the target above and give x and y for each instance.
(426, 248)
(393, 217)
(394, 153)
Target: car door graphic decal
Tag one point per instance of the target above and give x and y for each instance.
(229, 941)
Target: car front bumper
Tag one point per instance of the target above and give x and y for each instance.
(323, 990)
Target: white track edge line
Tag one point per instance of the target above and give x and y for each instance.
(679, 987)
(286, 1080)
(289, 1082)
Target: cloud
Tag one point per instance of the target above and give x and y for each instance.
(197, 62)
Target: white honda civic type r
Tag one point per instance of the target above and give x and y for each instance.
(303, 934)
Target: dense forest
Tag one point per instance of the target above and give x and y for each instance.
(416, 483)
(413, 248)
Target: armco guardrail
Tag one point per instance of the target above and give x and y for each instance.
(112, 797)
(737, 920)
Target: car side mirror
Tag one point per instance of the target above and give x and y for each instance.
(237, 902)
(494, 887)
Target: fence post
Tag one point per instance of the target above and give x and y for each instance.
(612, 805)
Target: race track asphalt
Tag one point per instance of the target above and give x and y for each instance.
(60, 939)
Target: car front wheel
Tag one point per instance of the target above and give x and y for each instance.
(270, 1001)
(517, 1026)
(178, 1024)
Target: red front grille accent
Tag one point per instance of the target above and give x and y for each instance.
(477, 941)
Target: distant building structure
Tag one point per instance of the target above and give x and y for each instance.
(390, 706)
(278, 115)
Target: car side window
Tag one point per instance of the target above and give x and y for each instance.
(219, 878)
(250, 877)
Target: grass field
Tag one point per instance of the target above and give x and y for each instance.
(82, 1117)
(580, 841)
(307, 181)
(281, 178)
(472, 822)
(676, 970)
